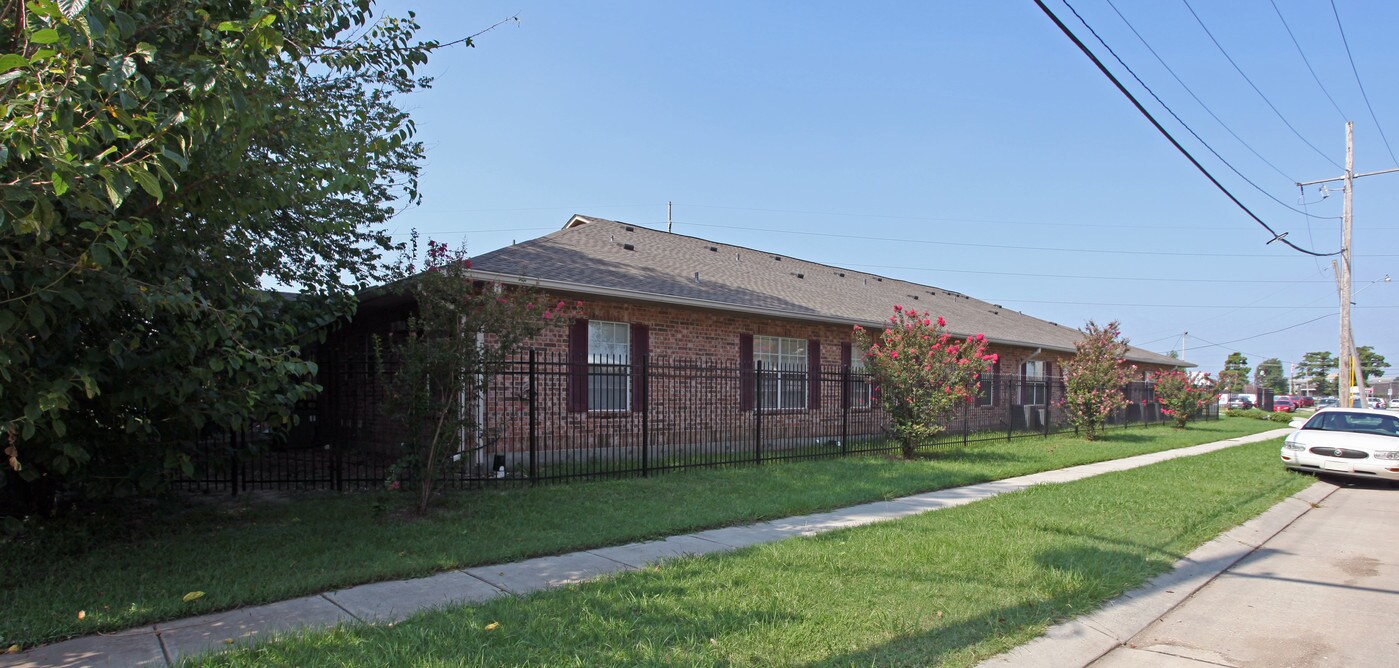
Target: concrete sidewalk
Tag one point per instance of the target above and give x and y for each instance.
(1312, 582)
(166, 643)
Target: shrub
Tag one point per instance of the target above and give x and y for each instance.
(1093, 379)
(924, 374)
(1182, 396)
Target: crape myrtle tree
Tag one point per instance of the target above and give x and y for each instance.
(1183, 395)
(1094, 378)
(924, 374)
(437, 368)
(162, 162)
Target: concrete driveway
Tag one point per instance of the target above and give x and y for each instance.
(1322, 592)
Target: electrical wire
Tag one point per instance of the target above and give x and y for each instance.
(1202, 104)
(1182, 122)
(750, 228)
(1255, 86)
(1150, 279)
(1123, 89)
(1363, 94)
(1303, 54)
(1139, 304)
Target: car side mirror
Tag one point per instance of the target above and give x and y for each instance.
(1297, 424)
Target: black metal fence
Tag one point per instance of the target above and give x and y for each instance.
(546, 418)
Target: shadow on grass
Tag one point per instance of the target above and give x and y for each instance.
(1087, 576)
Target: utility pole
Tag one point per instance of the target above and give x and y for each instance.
(668, 223)
(1348, 374)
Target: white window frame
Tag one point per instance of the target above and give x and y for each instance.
(781, 372)
(861, 389)
(1034, 388)
(606, 356)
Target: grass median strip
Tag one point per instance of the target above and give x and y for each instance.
(946, 588)
(121, 572)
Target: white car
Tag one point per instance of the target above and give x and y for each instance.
(1357, 442)
(1376, 402)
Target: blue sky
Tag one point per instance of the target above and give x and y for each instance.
(968, 146)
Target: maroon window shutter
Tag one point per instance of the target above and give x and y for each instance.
(995, 379)
(640, 348)
(845, 361)
(813, 373)
(578, 366)
(745, 372)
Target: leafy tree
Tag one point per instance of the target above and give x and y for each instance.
(1183, 396)
(430, 371)
(1235, 373)
(1316, 367)
(1269, 374)
(924, 373)
(1094, 378)
(162, 161)
(1372, 364)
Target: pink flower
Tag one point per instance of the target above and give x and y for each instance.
(941, 322)
(894, 354)
(898, 308)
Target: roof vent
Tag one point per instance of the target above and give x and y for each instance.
(628, 246)
(840, 274)
(915, 297)
(629, 228)
(799, 275)
(879, 279)
(738, 257)
(998, 306)
(697, 277)
(714, 249)
(777, 257)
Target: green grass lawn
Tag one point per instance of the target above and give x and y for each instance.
(951, 587)
(131, 568)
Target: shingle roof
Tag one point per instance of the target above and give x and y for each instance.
(598, 256)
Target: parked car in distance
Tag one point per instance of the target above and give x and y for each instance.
(1357, 442)
(1284, 405)
(1327, 402)
(1304, 401)
(1241, 403)
(1376, 402)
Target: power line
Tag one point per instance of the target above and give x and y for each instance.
(1139, 304)
(1257, 336)
(1356, 72)
(1303, 54)
(1202, 104)
(1254, 86)
(1213, 281)
(996, 246)
(1165, 133)
(1173, 114)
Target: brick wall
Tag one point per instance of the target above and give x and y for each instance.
(694, 388)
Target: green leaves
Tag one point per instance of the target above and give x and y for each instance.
(72, 8)
(45, 36)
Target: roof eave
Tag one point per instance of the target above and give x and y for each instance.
(673, 300)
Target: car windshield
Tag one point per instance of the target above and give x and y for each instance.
(1363, 423)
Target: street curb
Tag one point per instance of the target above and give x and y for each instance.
(1085, 639)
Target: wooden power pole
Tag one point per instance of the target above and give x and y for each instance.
(1349, 374)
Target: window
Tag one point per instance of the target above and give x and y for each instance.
(1033, 389)
(783, 383)
(609, 366)
(986, 395)
(861, 391)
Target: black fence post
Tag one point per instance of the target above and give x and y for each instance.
(844, 407)
(1010, 410)
(533, 421)
(758, 412)
(966, 422)
(233, 462)
(645, 391)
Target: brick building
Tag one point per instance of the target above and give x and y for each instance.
(705, 316)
